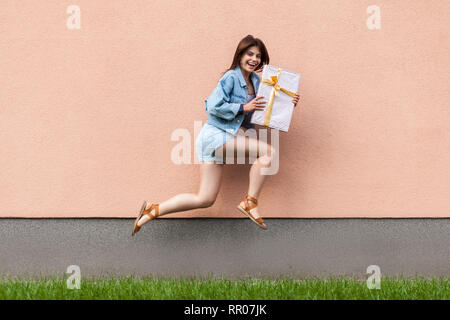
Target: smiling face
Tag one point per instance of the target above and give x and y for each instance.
(250, 59)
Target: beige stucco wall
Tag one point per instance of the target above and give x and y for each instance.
(86, 116)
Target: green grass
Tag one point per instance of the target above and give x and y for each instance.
(107, 288)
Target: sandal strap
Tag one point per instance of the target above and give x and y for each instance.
(153, 206)
(249, 206)
(252, 199)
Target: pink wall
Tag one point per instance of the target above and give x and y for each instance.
(86, 116)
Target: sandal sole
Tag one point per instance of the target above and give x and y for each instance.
(250, 216)
(138, 218)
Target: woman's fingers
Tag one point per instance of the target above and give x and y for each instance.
(259, 108)
(295, 100)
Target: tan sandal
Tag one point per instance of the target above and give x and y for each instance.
(248, 211)
(143, 212)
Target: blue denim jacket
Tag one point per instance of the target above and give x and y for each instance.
(223, 104)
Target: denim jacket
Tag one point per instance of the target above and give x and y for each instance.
(223, 104)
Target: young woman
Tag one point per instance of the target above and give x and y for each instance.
(229, 108)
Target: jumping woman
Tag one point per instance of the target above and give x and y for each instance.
(229, 107)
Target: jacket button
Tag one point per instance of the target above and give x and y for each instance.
(237, 120)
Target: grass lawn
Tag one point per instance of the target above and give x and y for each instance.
(107, 288)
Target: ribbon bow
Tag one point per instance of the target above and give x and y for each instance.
(275, 91)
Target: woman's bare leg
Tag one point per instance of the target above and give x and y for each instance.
(211, 176)
(264, 152)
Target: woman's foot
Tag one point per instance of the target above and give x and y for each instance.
(255, 213)
(147, 213)
(145, 218)
(249, 208)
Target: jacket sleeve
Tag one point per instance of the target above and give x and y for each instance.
(219, 102)
(241, 109)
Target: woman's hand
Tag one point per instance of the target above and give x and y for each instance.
(255, 104)
(295, 99)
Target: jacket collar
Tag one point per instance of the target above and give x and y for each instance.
(253, 76)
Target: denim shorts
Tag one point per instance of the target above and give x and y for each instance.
(208, 140)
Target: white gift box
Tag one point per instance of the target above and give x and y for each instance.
(282, 108)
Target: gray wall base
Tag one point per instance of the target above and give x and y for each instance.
(232, 248)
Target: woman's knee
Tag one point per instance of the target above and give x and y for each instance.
(268, 156)
(206, 201)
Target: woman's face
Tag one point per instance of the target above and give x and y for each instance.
(250, 59)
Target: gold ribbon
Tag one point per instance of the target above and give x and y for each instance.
(276, 87)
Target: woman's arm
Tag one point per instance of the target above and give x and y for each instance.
(219, 102)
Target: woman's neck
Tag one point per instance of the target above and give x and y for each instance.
(246, 75)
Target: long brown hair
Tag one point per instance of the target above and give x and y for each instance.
(244, 44)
